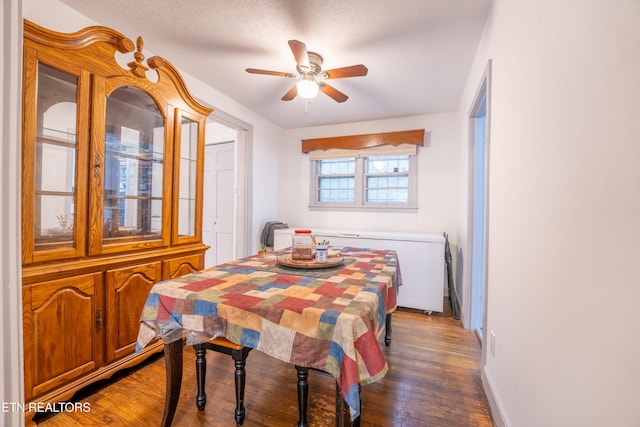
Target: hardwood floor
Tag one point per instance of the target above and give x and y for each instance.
(433, 380)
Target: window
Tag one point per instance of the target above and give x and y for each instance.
(336, 180)
(387, 179)
(377, 182)
(375, 171)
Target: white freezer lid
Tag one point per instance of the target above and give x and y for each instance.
(356, 234)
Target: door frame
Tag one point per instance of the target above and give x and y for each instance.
(243, 151)
(478, 290)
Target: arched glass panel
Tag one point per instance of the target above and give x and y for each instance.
(133, 166)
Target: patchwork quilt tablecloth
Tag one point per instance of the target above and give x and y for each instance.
(328, 320)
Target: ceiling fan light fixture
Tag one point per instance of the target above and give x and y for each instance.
(307, 88)
(312, 78)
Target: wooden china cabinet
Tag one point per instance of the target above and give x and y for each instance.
(112, 170)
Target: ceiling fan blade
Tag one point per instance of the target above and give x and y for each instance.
(333, 93)
(269, 73)
(291, 94)
(299, 50)
(351, 71)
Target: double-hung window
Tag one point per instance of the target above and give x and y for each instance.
(368, 178)
(336, 180)
(386, 179)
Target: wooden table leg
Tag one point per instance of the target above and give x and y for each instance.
(173, 363)
(343, 416)
(387, 330)
(303, 395)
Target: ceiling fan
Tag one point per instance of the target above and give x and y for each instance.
(310, 74)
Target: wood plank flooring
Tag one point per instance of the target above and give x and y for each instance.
(433, 380)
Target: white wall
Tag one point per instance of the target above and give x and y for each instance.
(217, 133)
(438, 180)
(564, 211)
(57, 16)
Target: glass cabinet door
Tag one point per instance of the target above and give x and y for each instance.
(133, 167)
(189, 204)
(51, 155)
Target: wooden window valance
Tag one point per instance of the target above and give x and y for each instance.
(357, 142)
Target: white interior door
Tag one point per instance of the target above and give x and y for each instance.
(219, 203)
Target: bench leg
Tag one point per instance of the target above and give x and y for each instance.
(201, 374)
(240, 358)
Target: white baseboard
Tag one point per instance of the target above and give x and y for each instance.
(497, 414)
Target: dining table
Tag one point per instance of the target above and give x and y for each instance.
(326, 318)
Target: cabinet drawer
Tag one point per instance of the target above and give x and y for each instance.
(177, 267)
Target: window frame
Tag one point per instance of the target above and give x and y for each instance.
(360, 175)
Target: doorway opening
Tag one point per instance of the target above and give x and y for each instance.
(478, 196)
(226, 209)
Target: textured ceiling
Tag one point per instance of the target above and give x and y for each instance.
(418, 52)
